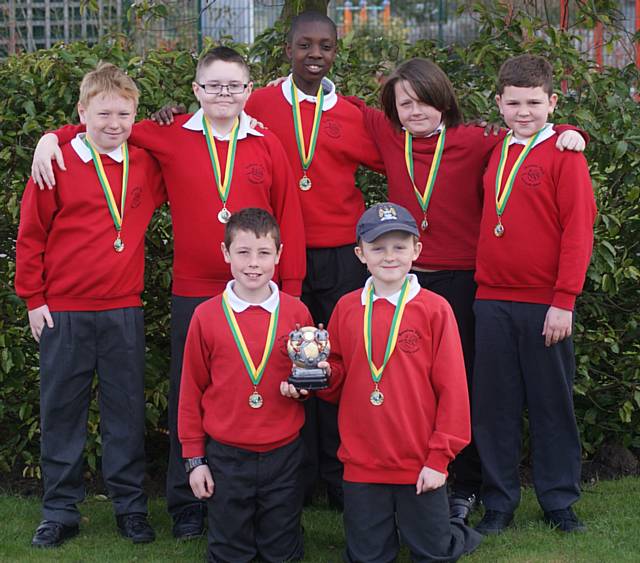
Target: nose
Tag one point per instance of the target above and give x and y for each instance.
(314, 52)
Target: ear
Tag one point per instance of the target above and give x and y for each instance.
(82, 113)
(249, 89)
(417, 249)
(358, 250)
(225, 253)
(288, 50)
(553, 100)
(499, 103)
(278, 254)
(196, 90)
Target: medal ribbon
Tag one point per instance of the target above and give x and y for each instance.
(223, 186)
(116, 215)
(425, 197)
(502, 198)
(255, 373)
(376, 372)
(306, 157)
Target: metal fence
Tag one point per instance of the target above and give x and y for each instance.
(33, 24)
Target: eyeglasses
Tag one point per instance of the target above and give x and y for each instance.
(233, 88)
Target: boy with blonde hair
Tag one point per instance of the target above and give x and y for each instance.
(80, 269)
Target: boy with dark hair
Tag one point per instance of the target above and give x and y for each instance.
(214, 163)
(233, 411)
(80, 269)
(536, 237)
(397, 373)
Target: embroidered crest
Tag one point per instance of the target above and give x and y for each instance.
(387, 213)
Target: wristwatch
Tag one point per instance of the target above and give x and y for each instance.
(191, 463)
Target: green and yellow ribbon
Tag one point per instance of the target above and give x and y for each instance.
(376, 372)
(424, 197)
(503, 197)
(223, 186)
(306, 156)
(116, 214)
(255, 373)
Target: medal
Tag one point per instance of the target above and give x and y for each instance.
(502, 197)
(255, 373)
(255, 399)
(306, 156)
(117, 215)
(424, 197)
(377, 398)
(224, 215)
(305, 183)
(223, 186)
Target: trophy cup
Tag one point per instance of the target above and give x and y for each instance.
(307, 346)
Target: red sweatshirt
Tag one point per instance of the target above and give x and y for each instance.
(262, 178)
(215, 387)
(64, 252)
(424, 420)
(334, 204)
(545, 251)
(455, 208)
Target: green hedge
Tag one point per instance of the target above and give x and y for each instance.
(38, 91)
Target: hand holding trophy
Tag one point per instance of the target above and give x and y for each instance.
(308, 346)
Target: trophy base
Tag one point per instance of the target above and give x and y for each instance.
(311, 379)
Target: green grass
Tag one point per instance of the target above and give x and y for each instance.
(610, 510)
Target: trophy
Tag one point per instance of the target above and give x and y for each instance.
(307, 346)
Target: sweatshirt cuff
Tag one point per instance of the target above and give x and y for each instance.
(438, 460)
(193, 449)
(292, 287)
(35, 301)
(564, 300)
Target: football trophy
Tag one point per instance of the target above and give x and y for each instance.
(307, 346)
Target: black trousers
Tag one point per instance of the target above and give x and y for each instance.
(179, 494)
(459, 289)
(378, 516)
(80, 344)
(256, 506)
(331, 273)
(515, 369)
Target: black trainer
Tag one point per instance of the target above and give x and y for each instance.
(494, 522)
(189, 523)
(135, 527)
(53, 534)
(460, 506)
(564, 520)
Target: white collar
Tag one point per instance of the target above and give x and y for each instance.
(238, 305)
(414, 289)
(329, 88)
(82, 150)
(547, 133)
(437, 130)
(194, 123)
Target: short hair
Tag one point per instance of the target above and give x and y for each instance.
(430, 84)
(526, 71)
(225, 54)
(107, 79)
(310, 16)
(253, 220)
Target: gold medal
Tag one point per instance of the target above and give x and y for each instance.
(118, 245)
(255, 400)
(305, 183)
(224, 215)
(498, 230)
(376, 397)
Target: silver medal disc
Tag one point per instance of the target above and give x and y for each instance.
(224, 215)
(305, 183)
(118, 245)
(498, 230)
(255, 400)
(376, 398)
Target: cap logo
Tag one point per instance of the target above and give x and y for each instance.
(387, 214)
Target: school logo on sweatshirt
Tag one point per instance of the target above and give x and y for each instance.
(409, 341)
(332, 128)
(136, 197)
(255, 173)
(532, 175)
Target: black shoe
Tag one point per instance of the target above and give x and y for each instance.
(189, 523)
(461, 506)
(564, 520)
(494, 522)
(53, 534)
(135, 527)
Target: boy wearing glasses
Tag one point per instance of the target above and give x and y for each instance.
(214, 164)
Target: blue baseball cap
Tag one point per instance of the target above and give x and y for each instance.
(383, 218)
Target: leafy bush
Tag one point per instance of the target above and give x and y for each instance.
(38, 92)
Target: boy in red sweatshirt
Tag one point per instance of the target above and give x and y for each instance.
(214, 163)
(397, 373)
(80, 269)
(231, 408)
(535, 243)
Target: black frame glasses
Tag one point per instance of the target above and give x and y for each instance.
(218, 88)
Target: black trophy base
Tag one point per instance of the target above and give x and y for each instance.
(311, 379)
